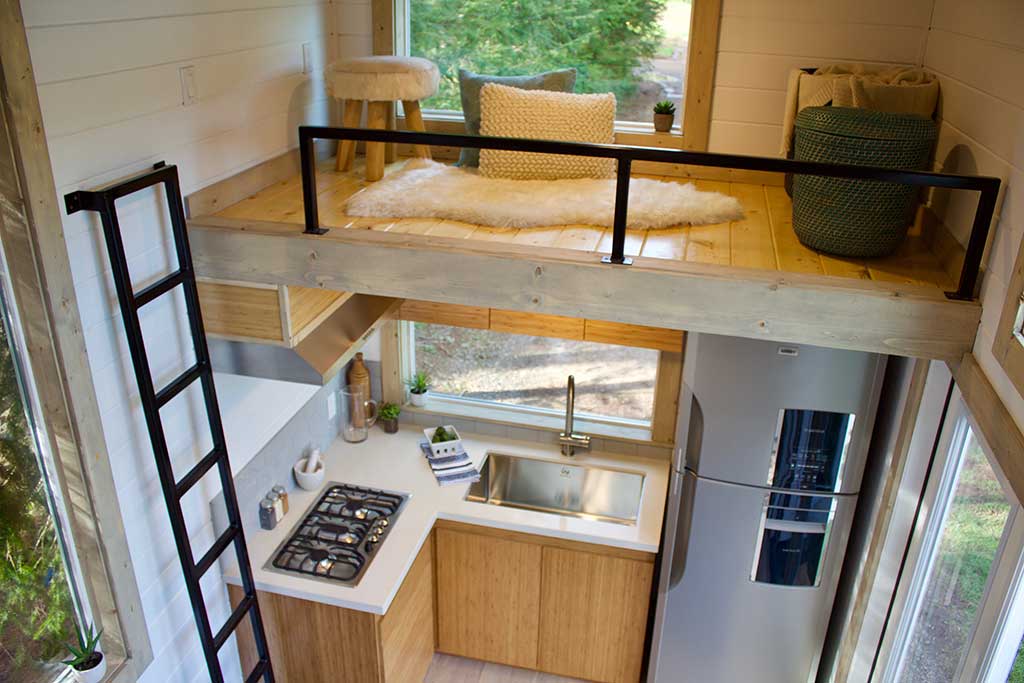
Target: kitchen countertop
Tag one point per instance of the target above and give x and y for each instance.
(394, 462)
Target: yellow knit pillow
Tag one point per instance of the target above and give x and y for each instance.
(545, 115)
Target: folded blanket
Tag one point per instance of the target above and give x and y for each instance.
(892, 89)
(451, 469)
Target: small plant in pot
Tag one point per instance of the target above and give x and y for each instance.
(664, 116)
(87, 662)
(388, 417)
(418, 385)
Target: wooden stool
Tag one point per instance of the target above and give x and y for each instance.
(380, 81)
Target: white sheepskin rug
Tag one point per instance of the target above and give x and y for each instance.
(428, 189)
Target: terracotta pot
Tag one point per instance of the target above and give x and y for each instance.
(93, 675)
(390, 426)
(419, 400)
(663, 122)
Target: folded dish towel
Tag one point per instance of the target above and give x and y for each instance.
(451, 469)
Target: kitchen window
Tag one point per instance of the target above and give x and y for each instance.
(497, 372)
(644, 51)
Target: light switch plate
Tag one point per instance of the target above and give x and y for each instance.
(307, 58)
(332, 405)
(189, 90)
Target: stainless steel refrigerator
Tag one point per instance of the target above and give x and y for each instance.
(771, 442)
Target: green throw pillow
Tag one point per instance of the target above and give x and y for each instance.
(563, 80)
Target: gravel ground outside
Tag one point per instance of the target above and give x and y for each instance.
(611, 380)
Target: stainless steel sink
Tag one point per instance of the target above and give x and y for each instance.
(562, 488)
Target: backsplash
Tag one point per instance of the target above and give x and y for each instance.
(309, 428)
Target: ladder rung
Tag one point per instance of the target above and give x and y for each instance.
(161, 286)
(179, 384)
(218, 547)
(257, 673)
(196, 473)
(229, 626)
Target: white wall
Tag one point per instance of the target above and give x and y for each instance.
(977, 50)
(109, 87)
(762, 40)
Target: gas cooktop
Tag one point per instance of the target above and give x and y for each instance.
(338, 537)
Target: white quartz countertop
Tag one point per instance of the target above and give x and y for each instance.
(394, 462)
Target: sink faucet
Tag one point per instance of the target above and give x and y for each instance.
(567, 439)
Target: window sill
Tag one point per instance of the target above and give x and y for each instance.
(632, 131)
(512, 416)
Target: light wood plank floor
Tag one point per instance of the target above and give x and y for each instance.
(763, 239)
(450, 669)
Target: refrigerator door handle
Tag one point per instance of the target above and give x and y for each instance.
(795, 527)
(683, 525)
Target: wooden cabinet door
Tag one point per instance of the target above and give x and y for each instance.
(488, 597)
(593, 615)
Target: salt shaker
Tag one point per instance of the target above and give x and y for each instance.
(268, 519)
(275, 499)
(280, 491)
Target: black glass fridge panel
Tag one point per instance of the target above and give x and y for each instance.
(790, 558)
(810, 450)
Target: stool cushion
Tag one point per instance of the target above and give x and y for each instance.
(383, 79)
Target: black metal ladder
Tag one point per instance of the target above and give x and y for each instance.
(103, 202)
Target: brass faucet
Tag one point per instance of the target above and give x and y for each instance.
(567, 439)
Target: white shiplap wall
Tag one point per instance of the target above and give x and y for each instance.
(762, 40)
(108, 75)
(977, 50)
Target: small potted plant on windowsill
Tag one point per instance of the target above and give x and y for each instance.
(388, 417)
(664, 116)
(87, 662)
(418, 385)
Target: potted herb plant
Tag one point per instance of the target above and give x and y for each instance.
(418, 385)
(664, 116)
(86, 660)
(388, 417)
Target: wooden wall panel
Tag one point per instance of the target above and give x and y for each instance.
(633, 335)
(445, 314)
(539, 325)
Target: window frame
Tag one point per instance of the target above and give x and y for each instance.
(397, 356)
(390, 21)
(1008, 345)
(47, 332)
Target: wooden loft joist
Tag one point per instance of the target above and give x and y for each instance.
(749, 278)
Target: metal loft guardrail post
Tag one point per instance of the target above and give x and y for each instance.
(987, 187)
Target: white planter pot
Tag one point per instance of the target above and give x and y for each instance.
(419, 400)
(93, 675)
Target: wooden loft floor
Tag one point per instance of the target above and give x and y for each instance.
(764, 239)
(749, 278)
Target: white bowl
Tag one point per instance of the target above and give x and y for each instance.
(305, 480)
(445, 447)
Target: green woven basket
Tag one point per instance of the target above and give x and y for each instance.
(860, 218)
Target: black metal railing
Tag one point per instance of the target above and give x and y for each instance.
(987, 187)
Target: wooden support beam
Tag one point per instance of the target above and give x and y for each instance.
(995, 424)
(841, 313)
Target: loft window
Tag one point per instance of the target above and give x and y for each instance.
(1008, 337)
(497, 370)
(634, 48)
